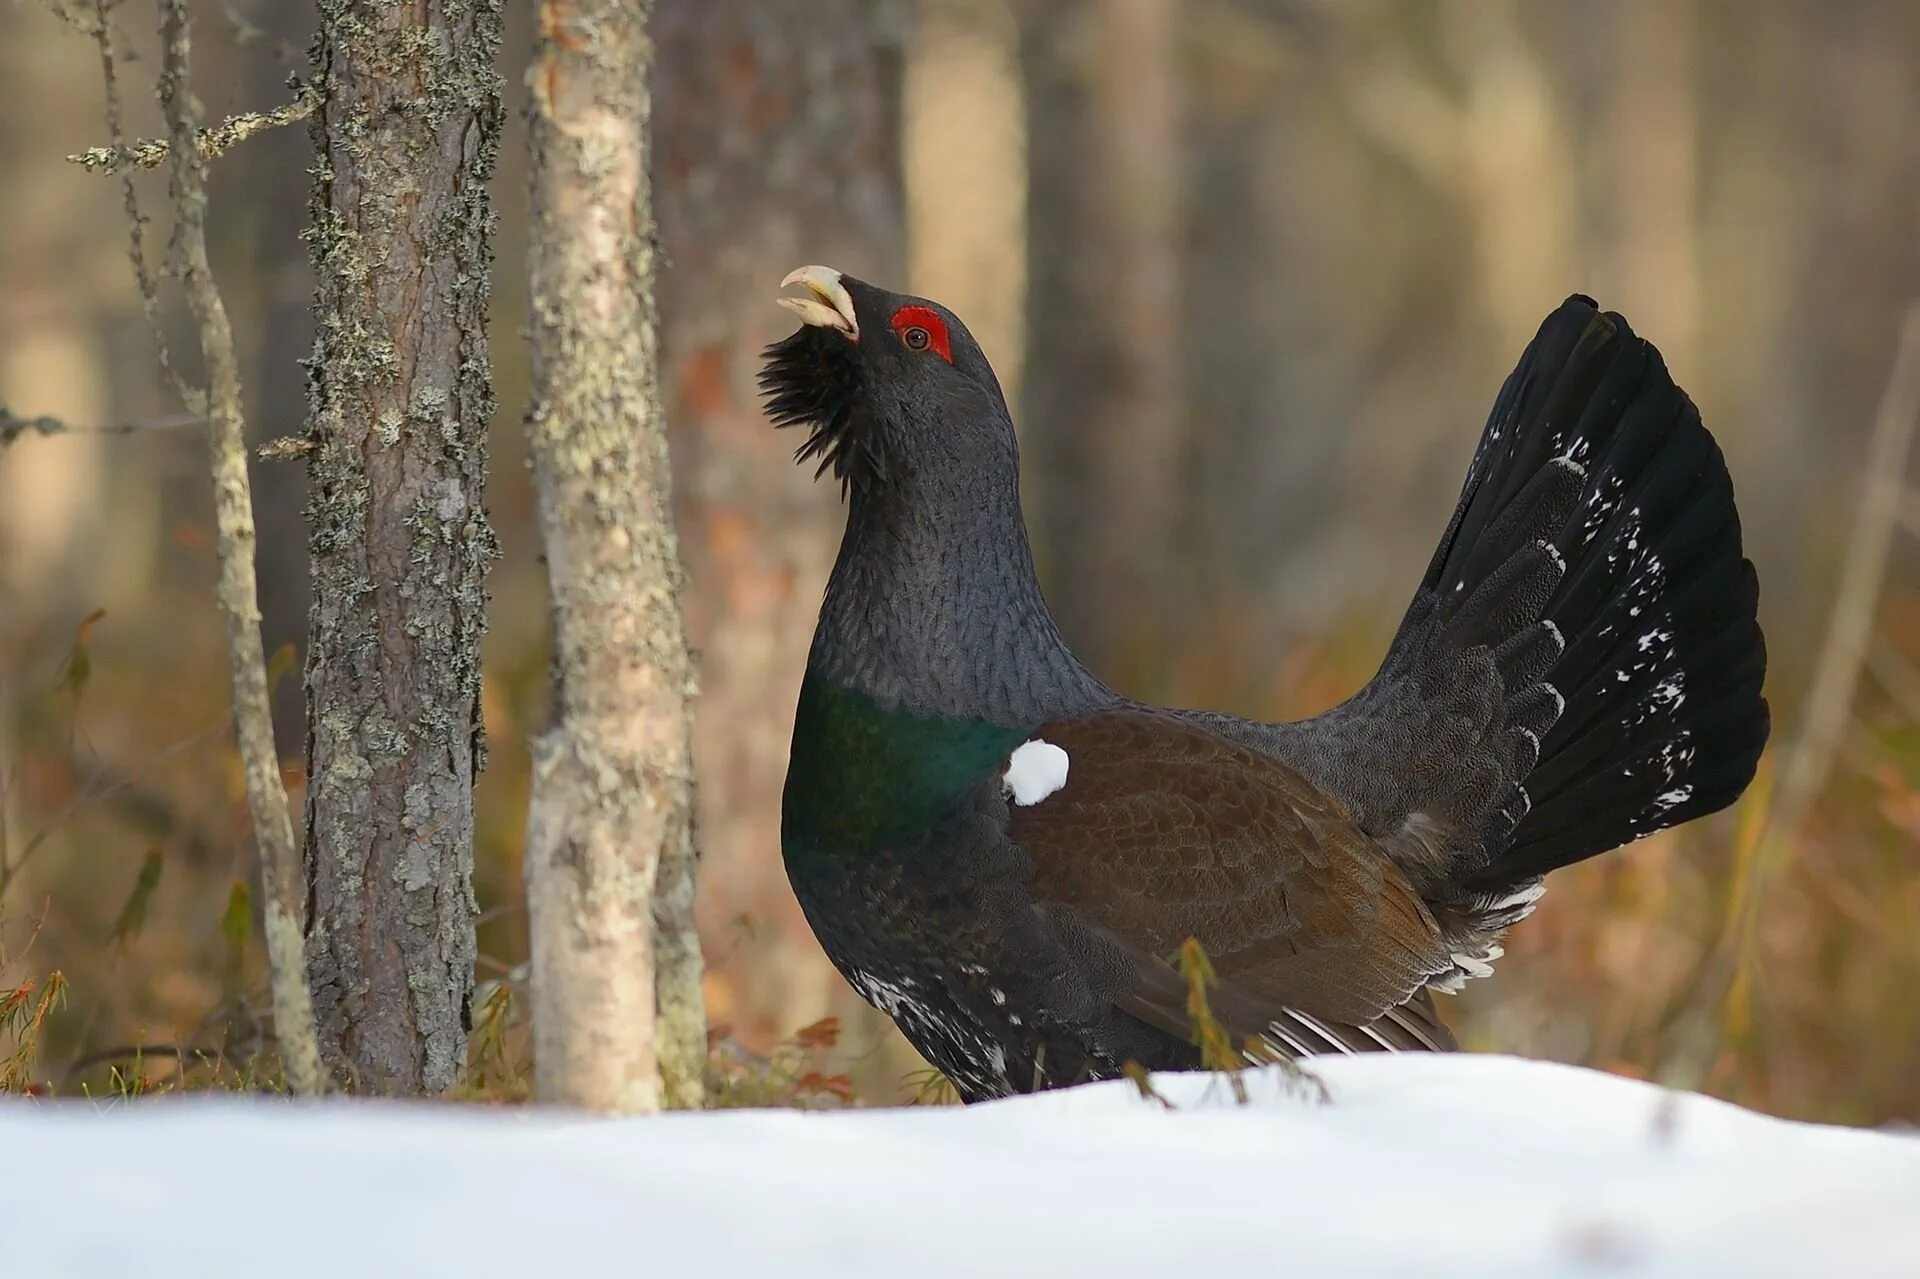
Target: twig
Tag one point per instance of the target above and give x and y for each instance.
(13, 426)
(1844, 650)
(233, 508)
(151, 153)
(286, 448)
(1897, 677)
(1850, 630)
(120, 1052)
(1142, 1081)
(92, 794)
(101, 29)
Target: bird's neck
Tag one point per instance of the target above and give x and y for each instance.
(934, 607)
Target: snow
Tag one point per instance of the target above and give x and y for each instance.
(1431, 1166)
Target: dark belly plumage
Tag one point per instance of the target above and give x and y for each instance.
(1000, 995)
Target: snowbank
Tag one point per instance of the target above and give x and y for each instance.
(1428, 1166)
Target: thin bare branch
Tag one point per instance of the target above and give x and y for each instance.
(1897, 677)
(133, 1052)
(1843, 652)
(99, 26)
(233, 511)
(96, 791)
(1850, 627)
(151, 153)
(13, 426)
(285, 448)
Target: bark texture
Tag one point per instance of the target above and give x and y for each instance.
(400, 399)
(233, 515)
(777, 144)
(612, 777)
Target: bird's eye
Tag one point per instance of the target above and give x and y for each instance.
(922, 329)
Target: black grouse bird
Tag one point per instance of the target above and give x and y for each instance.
(1005, 855)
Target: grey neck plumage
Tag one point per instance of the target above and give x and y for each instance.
(934, 607)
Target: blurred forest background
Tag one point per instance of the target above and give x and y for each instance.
(1251, 271)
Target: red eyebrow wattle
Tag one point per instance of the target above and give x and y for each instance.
(929, 319)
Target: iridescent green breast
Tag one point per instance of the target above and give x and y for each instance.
(862, 777)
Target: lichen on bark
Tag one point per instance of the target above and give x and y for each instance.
(399, 401)
(613, 785)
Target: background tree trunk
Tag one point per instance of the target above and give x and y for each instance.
(400, 401)
(263, 203)
(1646, 192)
(1104, 335)
(778, 144)
(612, 777)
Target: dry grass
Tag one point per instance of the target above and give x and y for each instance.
(138, 895)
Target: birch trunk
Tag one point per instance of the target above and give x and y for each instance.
(400, 400)
(612, 785)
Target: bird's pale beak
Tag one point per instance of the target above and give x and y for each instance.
(830, 307)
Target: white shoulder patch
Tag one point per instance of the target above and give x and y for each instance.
(1035, 770)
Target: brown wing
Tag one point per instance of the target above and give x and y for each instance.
(1165, 831)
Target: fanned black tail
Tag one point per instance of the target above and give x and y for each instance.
(1596, 552)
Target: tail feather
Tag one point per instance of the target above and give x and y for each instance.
(1582, 663)
(1555, 381)
(1714, 637)
(1661, 662)
(1653, 780)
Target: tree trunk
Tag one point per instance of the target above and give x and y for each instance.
(778, 145)
(1103, 323)
(1515, 170)
(268, 198)
(612, 777)
(233, 517)
(400, 401)
(1649, 127)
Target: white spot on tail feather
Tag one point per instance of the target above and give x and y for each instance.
(1676, 754)
(1035, 770)
(1672, 799)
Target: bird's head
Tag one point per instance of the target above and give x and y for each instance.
(889, 386)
